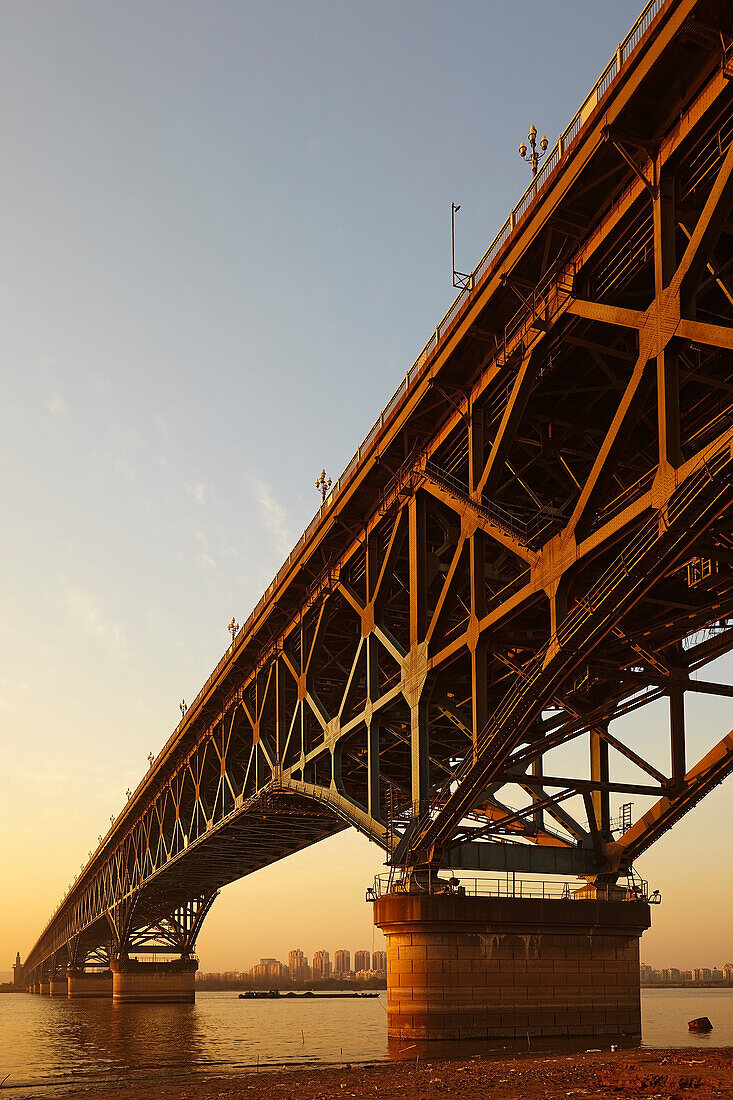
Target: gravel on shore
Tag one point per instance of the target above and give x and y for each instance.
(644, 1074)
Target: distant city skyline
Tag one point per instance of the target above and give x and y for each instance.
(671, 975)
(337, 961)
(322, 967)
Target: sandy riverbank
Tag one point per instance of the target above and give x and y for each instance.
(653, 1074)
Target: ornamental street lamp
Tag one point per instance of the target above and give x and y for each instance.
(182, 707)
(151, 758)
(128, 792)
(533, 157)
(233, 628)
(323, 485)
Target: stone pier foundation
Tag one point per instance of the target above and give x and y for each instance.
(88, 983)
(153, 983)
(58, 986)
(44, 987)
(479, 967)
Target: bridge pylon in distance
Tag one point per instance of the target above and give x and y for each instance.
(533, 544)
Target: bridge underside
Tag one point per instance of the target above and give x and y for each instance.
(535, 544)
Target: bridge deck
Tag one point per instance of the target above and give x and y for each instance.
(534, 539)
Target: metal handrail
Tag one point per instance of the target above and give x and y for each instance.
(521, 524)
(508, 885)
(564, 142)
(566, 139)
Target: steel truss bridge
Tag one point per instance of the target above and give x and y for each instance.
(534, 542)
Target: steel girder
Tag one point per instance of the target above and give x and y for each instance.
(536, 544)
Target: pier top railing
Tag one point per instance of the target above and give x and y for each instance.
(507, 885)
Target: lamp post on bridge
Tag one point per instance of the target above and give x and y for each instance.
(151, 758)
(183, 708)
(533, 157)
(323, 484)
(233, 627)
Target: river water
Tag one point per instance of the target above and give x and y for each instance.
(48, 1044)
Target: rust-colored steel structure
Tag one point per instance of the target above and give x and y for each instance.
(534, 541)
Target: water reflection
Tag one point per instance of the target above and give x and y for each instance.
(53, 1042)
(49, 1042)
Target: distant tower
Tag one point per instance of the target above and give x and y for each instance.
(18, 975)
(362, 960)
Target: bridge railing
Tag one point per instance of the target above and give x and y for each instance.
(553, 158)
(507, 885)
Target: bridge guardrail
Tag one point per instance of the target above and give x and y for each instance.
(566, 139)
(504, 886)
(563, 143)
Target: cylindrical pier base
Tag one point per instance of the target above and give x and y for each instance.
(58, 986)
(44, 987)
(153, 983)
(89, 983)
(481, 967)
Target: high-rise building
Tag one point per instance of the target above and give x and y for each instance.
(269, 970)
(362, 960)
(342, 962)
(728, 972)
(298, 964)
(321, 965)
(379, 962)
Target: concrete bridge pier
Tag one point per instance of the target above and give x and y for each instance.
(89, 983)
(44, 987)
(463, 967)
(58, 985)
(153, 982)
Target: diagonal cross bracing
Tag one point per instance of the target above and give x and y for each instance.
(536, 540)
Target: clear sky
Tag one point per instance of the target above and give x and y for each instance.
(225, 236)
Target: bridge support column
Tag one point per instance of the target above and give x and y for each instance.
(479, 967)
(44, 987)
(87, 984)
(58, 986)
(153, 983)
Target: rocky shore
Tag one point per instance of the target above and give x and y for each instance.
(652, 1074)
